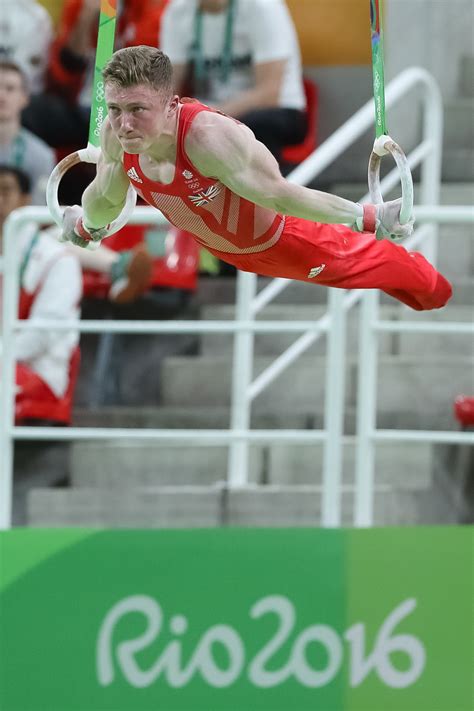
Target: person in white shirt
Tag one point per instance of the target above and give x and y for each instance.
(50, 288)
(26, 32)
(241, 57)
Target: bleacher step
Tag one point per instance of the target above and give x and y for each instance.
(427, 383)
(388, 343)
(466, 83)
(218, 417)
(214, 506)
(459, 122)
(130, 464)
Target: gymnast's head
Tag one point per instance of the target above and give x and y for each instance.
(139, 94)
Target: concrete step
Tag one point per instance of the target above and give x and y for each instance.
(403, 466)
(458, 164)
(395, 344)
(424, 384)
(194, 507)
(275, 343)
(136, 465)
(128, 463)
(218, 417)
(186, 417)
(459, 123)
(466, 76)
(209, 507)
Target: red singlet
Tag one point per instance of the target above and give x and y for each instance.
(219, 219)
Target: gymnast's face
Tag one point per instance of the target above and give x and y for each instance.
(139, 115)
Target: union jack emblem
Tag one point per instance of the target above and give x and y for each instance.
(205, 196)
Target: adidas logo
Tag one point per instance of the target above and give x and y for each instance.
(187, 174)
(133, 175)
(315, 271)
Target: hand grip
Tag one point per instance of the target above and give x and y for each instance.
(382, 146)
(86, 155)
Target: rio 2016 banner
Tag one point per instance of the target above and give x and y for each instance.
(237, 620)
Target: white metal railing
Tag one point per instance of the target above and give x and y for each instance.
(249, 303)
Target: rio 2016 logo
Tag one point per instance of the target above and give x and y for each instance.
(203, 662)
(100, 111)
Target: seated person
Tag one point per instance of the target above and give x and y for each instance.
(50, 287)
(127, 273)
(61, 116)
(26, 32)
(241, 57)
(20, 148)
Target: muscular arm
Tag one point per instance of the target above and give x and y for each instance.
(104, 199)
(224, 149)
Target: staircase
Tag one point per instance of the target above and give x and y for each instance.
(154, 485)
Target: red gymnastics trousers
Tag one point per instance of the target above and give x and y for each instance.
(334, 255)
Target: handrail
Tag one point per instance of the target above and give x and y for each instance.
(427, 153)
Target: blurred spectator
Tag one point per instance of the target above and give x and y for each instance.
(127, 273)
(242, 57)
(50, 288)
(19, 148)
(61, 116)
(25, 36)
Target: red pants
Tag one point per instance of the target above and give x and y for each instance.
(334, 255)
(31, 386)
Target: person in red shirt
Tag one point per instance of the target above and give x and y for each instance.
(208, 175)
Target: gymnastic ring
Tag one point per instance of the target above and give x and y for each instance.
(382, 146)
(84, 155)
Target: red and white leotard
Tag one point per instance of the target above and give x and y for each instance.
(219, 219)
(256, 239)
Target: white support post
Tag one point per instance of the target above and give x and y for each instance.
(366, 410)
(12, 227)
(241, 378)
(430, 174)
(334, 411)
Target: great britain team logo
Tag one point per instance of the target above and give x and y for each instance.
(204, 197)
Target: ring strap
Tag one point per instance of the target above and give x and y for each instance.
(370, 218)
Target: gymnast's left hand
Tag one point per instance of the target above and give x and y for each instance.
(388, 224)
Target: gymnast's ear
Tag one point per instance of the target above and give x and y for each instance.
(173, 105)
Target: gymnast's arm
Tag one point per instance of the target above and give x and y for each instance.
(222, 148)
(104, 199)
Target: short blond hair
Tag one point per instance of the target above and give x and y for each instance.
(140, 65)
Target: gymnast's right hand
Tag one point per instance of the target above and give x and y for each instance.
(75, 232)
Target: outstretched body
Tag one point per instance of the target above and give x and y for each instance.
(209, 175)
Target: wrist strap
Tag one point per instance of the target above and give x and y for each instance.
(88, 234)
(81, 230)
(370, 218)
